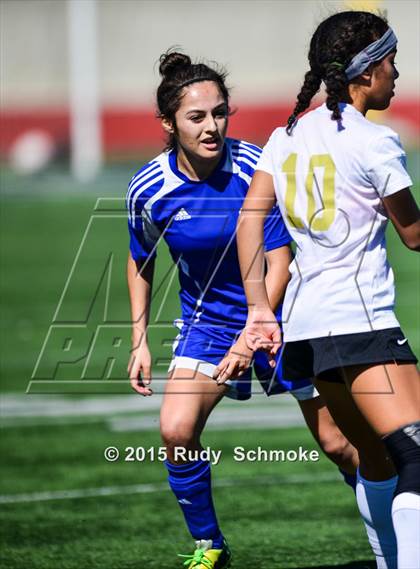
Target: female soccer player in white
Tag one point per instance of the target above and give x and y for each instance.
(338, 178)
(191, 195)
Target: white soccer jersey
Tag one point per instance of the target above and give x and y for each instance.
(329, 179)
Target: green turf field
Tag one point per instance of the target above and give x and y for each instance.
(280, 515)
(271, 518)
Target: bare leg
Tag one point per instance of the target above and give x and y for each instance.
(388, 395)
(376, 480)
(188, 401)
(329, 437)
(388, 398)
(375, 463)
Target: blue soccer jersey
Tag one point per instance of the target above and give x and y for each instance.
(198, 219)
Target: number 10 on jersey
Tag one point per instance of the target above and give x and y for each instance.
(317, 220)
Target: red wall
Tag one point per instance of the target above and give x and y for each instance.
(129, 130)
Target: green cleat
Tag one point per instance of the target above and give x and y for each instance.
(204, 557)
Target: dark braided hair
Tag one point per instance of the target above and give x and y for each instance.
(177, 72)
(334, 44)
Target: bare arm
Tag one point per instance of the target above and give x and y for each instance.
(250, 237)
(238, 359)
(262, 331)
(402, 210)
(278, 276)
(140, 280)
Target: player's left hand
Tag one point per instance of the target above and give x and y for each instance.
(262, 332)
(235, 363)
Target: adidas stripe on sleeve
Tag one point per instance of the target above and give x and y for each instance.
(144, 233)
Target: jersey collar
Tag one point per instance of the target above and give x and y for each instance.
(174, 167)
(344, 108)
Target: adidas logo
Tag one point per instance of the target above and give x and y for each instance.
(181, 215)
(184, 500)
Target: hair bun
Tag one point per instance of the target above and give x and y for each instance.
(170, 62)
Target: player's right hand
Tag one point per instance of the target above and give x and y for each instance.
(235, 363)
(262, 332)
(140, 369)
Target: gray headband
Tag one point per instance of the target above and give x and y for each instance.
(373, 52)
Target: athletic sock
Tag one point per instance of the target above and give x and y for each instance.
(374, 500)
(406, 518)
(191, 484)
(404, 447)
(350, 479)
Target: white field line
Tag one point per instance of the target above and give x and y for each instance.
(131, 413)
(162, 487)
(220, 419)
(258, 419)
(57, 406)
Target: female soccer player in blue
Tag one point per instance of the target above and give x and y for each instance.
(338, 178)
(191, 195)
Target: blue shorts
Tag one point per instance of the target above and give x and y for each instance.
(202, 347)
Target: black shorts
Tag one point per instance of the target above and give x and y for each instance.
(323, 357)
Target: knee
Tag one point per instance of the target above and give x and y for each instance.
(177, 433)
(336, 447)
(404, 447)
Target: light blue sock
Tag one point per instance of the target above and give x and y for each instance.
(375, 505)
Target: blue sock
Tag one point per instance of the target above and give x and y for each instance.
(191, 484)
(350, 479)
